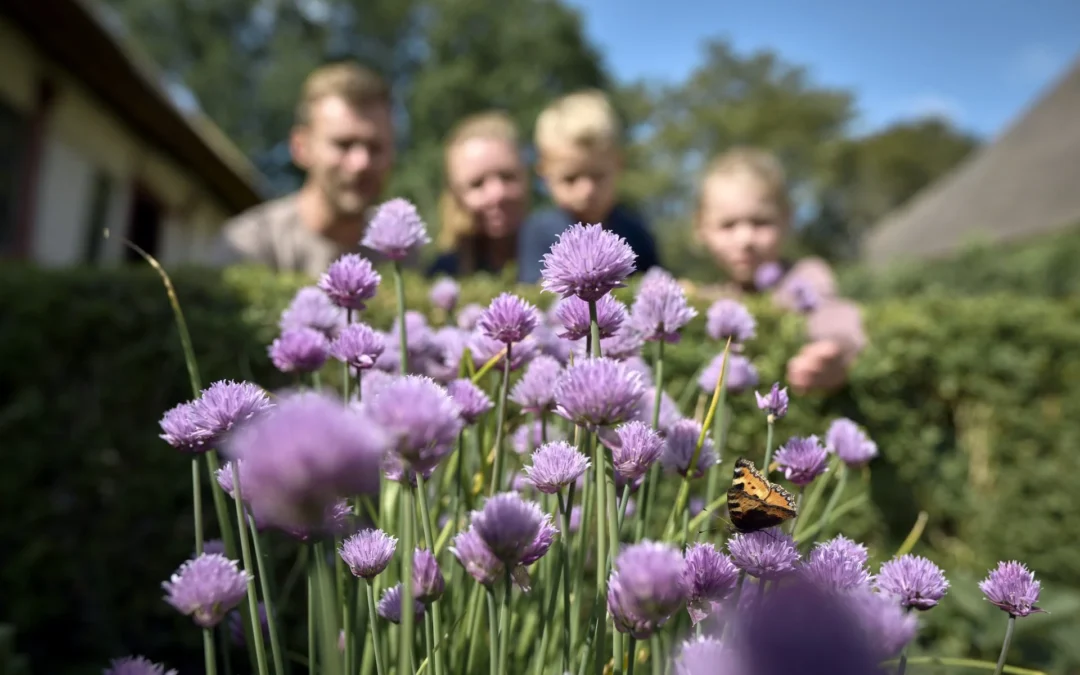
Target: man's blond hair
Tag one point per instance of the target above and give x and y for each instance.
(759, 164)
(356, 84)
(585, 119)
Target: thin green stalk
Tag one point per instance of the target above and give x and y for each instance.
(601, 543)
(656, 651)
(493, 632)
(373, 619)
(208, 651)
(399, 286)
(613, 540)
(429, 639)
(223, 635)
(581, 545)
(328, 609)
(564, 557)
(648, 497)
(345, 375)
(1005, 645)
(798, 511)
(632, 644)
(268, 602)
(246, 558)
(973, 664)
(472, 620)
(196, 497)
(504, 624)
(408, 545)
(540, 658)
(834, 498)
(718, 426)
(436, 609)
(902, 666)
(500, 415)
(623, 500)
(768, 446)
(312, 622)
(348, 627)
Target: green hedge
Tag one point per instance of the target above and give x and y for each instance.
(973, 402)
(1042, 266)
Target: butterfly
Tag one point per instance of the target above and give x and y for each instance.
(754, 503)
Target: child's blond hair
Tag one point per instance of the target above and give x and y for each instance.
(585, 119)
(756, 163)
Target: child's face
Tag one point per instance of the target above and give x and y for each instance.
(581, 181)
(740, 224)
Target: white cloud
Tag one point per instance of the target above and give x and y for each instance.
(1035, 64)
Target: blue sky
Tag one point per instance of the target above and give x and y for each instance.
(981, 63)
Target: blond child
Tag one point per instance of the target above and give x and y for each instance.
(743, 217)
(577, 140)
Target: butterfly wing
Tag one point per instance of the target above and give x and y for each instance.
(754, 503)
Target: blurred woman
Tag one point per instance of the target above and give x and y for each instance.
(485, 199)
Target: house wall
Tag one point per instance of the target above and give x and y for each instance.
(87, 150)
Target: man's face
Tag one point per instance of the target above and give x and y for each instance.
(581, 181)
(346, 151)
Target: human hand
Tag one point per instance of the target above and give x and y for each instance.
(818, 365)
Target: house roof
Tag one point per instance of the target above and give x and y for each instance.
(1022, 184)
(70, 33)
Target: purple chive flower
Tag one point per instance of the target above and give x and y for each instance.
(802, 460)
(705, 655)
(766, 554)
(358, 345)
(397, 470)
(679, 445)
(887, 626)
(182, 429)
(225, 404)
(508, 319)
(214, 546)
(470, 399)
(729, 318)
(484, 349)
(337, 520)
(224, 477)
(368, 552)
(741, 374)
(448, 347)
(508, 525)
(669, 410)
(647, 586)
(303, 456)
(395, 230)
(427, 578)
(445, 293)
(635, 447)
(236, 624)
(535, 391)
(587, 261)
(420, 418)
(389, 606)
(475, 556)
(638, 365)
(469, 316)
(837, 565)
(311, 308)
(350, 281)
(914, 580)
(1013, 588)
(775, 403)
(660, 309)
(849, 443)
(543, 540)
(556, 465)
(804, 296)
(768, 275)
(625, 344)
(711, 577)
(299, 350)
(136, 665)
(206, 588)
(598, 392)
(530, 436)
(550, 344)
(573, 314)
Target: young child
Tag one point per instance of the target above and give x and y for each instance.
(579, 158)
(743, 217)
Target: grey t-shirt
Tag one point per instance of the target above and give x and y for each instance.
(273, 235)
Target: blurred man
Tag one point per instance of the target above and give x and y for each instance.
(343, 139)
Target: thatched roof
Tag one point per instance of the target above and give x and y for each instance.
(1024, 183)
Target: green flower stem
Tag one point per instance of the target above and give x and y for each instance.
(1005, 645)
(768, 446)
(268, 601)
(312, 621)
(399, 287)
(435, 610)
(718, 433)
(656, 651)
(408, 611)
(601, 540)
(245, 551)
(564, 558)
(540, 658)
(208, 651)
(848, 506)
(373, 620)
(631, 648)
(196, 498)
(504, 624)
(594, 331)
(902, 666)
(429, 640)
(582, 544)
(493, 632)
(613, 539)
(798, 511)
(472, 621)
(648, 497)
(500, 416)
(328, 612)
(965, 663)
(345, 376)
(834, 498)
(623, 500)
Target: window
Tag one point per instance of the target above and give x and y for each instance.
(13, 134)
(100, 198)
(144, 225)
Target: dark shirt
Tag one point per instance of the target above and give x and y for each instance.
(449, 264)
(542, 229)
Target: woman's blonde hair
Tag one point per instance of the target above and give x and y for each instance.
(760, 164)
(456, 225)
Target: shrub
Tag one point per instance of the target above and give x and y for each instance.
(973, 403)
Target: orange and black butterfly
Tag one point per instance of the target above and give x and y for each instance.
(754, 503)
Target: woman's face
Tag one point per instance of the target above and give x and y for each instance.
(489, 179)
